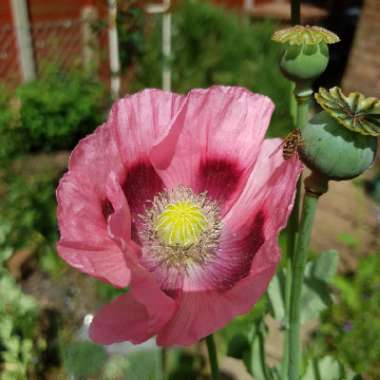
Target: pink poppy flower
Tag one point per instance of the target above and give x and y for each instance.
(181, 199)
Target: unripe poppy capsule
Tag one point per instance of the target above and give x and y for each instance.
(304, 62)
(305, 54)
(334, 151)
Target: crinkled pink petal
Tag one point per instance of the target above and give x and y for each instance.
(202, 313)
(94, 158)
(136, 316)
(162, 152)
(104, 262)
(83, 210)
(142, 120)
(222, 131)
(120, 220)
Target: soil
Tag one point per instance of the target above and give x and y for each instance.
(348, 221)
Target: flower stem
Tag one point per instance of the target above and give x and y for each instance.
(315, 186)
(292, 229)
(213, 357)
(164, 363)
(302, 95)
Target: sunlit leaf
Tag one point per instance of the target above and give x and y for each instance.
(325, 266)
(276, 298)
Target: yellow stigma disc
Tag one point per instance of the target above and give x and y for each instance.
(181, 224)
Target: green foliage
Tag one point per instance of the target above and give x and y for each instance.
(144, 365)
(185, 365)
(245, 337)
(373, 188)
(19, 343)
(107, 292)
(328, 368)
(18, 313)
(50, 113)
(10, 137)
(351, 327)
(115, 368)
(28, 217)
(242, 324)
(130, 26)
(28, 209)
(58, 109)
(254, 358)
(83, 359)
(249, 343)
(349, 240)
(315, 295)
(5, 114)
(212, 46)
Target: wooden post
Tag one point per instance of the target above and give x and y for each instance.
(89, 16)
(248, 5)
(164, 9)
(24, 39)
(113, 42)
(166, 47)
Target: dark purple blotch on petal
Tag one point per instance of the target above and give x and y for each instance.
(219, 177)
(236, 262)
(142, 183)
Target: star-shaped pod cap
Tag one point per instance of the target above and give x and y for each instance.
(355, 112)
(305, 35)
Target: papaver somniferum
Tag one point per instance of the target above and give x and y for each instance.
(181, 199)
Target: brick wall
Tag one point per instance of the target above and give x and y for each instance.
(363, 71)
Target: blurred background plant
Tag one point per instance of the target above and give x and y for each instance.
(18, 316)
(43, 303)
(51, 113)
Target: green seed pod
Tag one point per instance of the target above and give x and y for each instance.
(304, 62)
(305, 54)
(333, 151)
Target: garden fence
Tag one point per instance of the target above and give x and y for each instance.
(67, 43)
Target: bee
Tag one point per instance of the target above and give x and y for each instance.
(290, 144)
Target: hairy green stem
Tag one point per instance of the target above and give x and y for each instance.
(302, 95)
(292, 229)
(308, 213)
(314, 187)
(213, 358)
